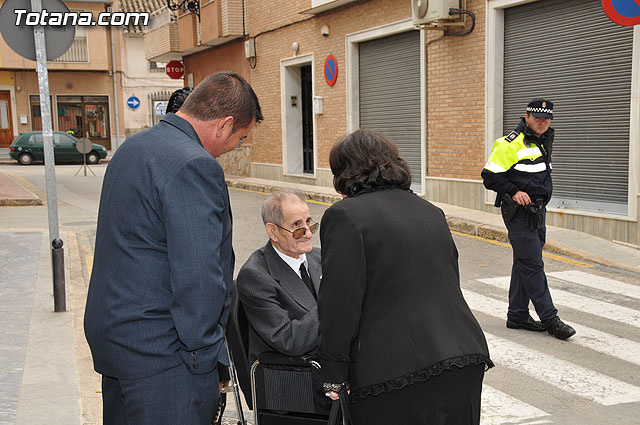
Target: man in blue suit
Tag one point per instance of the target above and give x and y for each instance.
(162, 275)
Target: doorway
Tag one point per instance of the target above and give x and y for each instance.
(297, 116)
(6, 119)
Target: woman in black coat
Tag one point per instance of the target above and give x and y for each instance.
(395, 329)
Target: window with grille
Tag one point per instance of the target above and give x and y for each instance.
(79, 50)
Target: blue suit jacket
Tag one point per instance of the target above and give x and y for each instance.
(163, 265)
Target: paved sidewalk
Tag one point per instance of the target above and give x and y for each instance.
(38, 373)
(46, 372)
(12, 193)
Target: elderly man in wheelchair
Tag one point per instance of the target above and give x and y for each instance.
(273, 324)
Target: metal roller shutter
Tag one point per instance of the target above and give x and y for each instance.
(390, 93)
(571, 53)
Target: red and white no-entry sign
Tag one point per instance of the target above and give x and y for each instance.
(175, 69)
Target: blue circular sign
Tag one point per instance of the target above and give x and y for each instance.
(331, 70)
(133, 103)
(623, 12)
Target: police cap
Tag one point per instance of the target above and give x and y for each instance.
(541, 108)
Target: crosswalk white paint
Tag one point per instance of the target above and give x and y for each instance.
(598, 282)
(593, 339)
(604, 309)
(499, 408)
(562, 374)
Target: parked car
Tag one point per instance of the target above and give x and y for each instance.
(28, 147)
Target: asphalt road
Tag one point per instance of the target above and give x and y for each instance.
(593, 378)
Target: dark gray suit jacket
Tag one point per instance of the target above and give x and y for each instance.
(163, 265)
(281, 310)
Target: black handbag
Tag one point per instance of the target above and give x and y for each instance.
(340, 409)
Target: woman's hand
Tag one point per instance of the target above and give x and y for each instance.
(332, 395)
(332, 390)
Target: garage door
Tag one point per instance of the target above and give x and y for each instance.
(571, 53)
(390, 93)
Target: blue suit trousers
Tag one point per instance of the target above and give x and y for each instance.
(173, 397)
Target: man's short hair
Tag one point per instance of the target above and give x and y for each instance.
(224, 94)
(272, 206)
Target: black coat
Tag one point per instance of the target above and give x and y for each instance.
(390, 305)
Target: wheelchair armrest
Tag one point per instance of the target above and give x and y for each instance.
(278, 359)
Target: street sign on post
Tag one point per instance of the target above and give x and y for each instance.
(175, 69)
(84, 146)
(59, 41)
(20, 39)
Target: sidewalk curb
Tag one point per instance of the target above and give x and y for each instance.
(88, 380)
(20, 202)
(29, 200)
(313, 196)
(457, 224)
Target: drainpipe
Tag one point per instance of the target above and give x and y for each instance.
(115, 83)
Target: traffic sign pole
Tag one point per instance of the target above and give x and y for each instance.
(57, 254)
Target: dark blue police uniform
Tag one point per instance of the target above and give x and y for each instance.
(521, 161)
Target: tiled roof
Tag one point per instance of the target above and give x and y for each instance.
(151, 6)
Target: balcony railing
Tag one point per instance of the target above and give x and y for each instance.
(220, 21)
(77, 53)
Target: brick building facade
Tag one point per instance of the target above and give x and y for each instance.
(465, 89)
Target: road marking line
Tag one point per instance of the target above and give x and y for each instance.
(578, 302)
(544, 253)
(85, 247)
(88, 258)
(593, 339)
(564, 375)
(500, 408)
(598, 282)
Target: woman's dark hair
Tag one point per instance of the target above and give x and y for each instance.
(177, 99)
(224, 94)
(365, 161)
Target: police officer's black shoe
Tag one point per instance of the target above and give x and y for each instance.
(529, 324)
(561, 330)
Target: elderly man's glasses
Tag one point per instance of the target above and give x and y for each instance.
(300, 231)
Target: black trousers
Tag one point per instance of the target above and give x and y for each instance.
(528, 280)
(451, 398)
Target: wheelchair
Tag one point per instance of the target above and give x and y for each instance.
(278, 388)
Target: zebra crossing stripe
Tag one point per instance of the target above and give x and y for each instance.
(499, 408)
(587, 337)
(604, 309)
(564, 375)
(598, 282)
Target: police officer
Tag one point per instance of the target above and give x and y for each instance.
(519, 170)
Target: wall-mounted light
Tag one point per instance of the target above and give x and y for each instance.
(192, 6)
(295, 47)
(324, 31)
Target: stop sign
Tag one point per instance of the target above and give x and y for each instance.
(175, 69)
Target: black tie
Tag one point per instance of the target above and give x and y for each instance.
(306, 279)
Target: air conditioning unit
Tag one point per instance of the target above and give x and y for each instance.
(429, 11)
